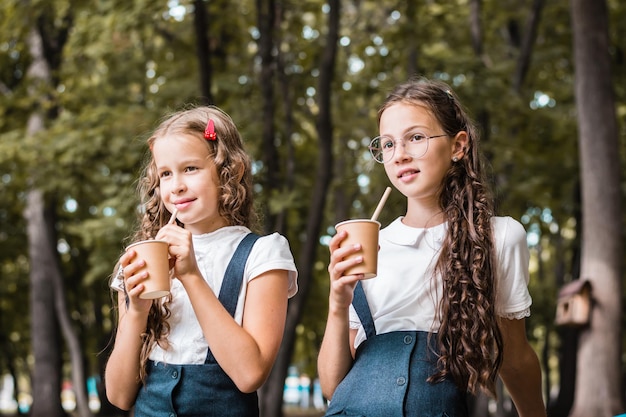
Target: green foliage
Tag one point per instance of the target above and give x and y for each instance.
(126, 64)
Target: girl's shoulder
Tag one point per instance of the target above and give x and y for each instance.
(272, 251)
(508, 233)
(507, 227)
(273, 242)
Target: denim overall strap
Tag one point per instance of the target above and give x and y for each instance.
(233, 277)
(359, 302)
(231, 285)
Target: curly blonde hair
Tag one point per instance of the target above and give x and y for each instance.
(469, 338)
(235, 203)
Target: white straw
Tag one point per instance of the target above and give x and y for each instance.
(381, 203)
(173, 218)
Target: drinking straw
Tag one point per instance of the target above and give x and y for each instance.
(173, 218)
(381, 203)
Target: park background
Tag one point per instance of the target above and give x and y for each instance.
(82, 83)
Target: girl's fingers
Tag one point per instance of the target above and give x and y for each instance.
(340, 260)
(171, 233)
(334, 243)
(338, 268)
(126, 257)
(133, 267)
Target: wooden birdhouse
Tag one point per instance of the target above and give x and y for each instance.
(574, 304)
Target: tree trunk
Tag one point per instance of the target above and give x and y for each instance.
(46, 345)
(411, 42)
(476, 29)
(287, 100)
(201, 28)
(266, 17)
(598, 384)
(568, 337)
(272, 391)
(46, 380)
(48, 306)
(567, 373)
(530, 33)
(63, 316)
(270, 395)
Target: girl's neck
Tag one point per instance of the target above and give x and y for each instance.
(423, 216)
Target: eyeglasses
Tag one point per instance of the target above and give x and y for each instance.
(383, 148)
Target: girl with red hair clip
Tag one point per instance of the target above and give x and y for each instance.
(206, 348)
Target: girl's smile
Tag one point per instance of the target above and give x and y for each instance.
(183, 203)
(408, 174)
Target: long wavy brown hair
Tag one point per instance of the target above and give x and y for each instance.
(469, 338)
(235, 203)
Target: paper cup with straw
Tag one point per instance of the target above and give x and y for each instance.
(155, 254)
(364, 232)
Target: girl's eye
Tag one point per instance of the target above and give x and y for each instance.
(417, 137)
(190, 169)
(164, 174)
(386, 144)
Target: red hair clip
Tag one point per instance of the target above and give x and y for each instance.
(209, 132)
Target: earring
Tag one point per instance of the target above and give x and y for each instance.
(455, 159)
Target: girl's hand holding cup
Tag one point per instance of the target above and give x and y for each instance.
(148, 262)
(342, 258)
(134, 273)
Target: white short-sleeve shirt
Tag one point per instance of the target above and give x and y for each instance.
(405, 293)
(213, 251)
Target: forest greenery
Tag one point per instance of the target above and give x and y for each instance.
(126, 64)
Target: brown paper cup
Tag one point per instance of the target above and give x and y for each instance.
(155, 254)
(365, 232)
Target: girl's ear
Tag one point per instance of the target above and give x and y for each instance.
(459, 145)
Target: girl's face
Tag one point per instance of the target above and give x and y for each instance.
(188, 182)
(419, 179)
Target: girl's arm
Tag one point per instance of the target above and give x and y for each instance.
(520, 370)
(247, 352)
(337, 351)
(122, 370)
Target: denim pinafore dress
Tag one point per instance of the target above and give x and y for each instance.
(201, 390)
(389, 376)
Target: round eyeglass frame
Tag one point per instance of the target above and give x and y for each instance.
(374, 151)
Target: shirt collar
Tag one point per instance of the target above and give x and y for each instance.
(401, 234)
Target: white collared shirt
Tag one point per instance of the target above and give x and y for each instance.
(405, 293)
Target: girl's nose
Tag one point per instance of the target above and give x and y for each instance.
(400, 153)
(178, 186)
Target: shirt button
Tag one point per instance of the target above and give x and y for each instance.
(401, 380)
(408, 340)
(172, 415)
(174, 374)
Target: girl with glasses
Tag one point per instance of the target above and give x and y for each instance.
(445, 317)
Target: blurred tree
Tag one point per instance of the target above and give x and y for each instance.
(47, 302)
(599, 381)
(125, 64)
(325, 132)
